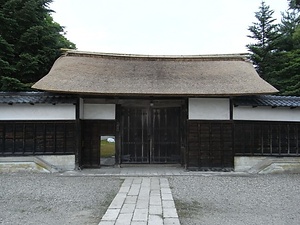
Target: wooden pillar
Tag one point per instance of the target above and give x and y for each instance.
(185, 131)
(232, 129)
(78, 136)
(231, 109)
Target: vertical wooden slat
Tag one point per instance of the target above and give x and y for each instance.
(222, 157)
(30, 138)
(65, 138)
(210, 142)
(272, 138)
(199, 144)
(288, 138)
(34, 139)
(14, 138)
(297, 139)
(78, 146)
(231, 108)
(151, 134)
(3, 139)
(44, 138)
(23, 139)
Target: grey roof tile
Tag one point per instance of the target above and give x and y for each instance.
(267, 100)
(35, 98)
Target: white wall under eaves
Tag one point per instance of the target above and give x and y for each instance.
(209, 109)
(37, 112)
(98, 111)
(266, 113)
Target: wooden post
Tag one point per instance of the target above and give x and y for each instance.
(232, 129)
(231, 109)
(118, 119)
(185, 133)
(78, 136)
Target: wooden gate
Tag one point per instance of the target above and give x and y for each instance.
(92, 131)
(150, 135)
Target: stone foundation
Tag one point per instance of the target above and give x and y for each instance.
(43, 163)
(267, 165)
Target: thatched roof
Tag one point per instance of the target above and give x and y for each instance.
(118, 74)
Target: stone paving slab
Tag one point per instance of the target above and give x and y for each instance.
(142, 201)
(146, 171)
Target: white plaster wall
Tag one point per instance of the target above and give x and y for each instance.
(99, 111)
(37, 112)
(209, 109)
(264, 113)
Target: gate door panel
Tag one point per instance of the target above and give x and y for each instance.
(150, 135)
(135, 143)
(166, 138)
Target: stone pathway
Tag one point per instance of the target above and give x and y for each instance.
(145, 171)
(130, 171)
(142, 201)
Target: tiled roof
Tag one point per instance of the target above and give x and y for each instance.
(267, 100)
(35, 98)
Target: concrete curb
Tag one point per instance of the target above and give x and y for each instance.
(29, 163)
(276, 165)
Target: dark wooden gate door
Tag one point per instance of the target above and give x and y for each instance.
(150, 135)
(135, 135)
(92, 132)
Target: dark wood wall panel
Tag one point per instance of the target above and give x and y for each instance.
(37, 138)
(213, 144)
(91, 132)
(267, 138)
(210, 145)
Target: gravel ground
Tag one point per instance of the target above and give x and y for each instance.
(47, 199)
(257, 200)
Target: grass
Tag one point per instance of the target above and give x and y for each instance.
(187, 209)
(107, 149)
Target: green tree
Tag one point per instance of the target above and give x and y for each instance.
(288, 29)
(286, 64)
(276, 53)
(13, 84)
(286, 75)
(294, 4)
(30, 42)
(265, 33)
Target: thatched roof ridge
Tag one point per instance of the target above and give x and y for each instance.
(125, 74)
(214, 57)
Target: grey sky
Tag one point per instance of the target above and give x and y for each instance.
(160, 26)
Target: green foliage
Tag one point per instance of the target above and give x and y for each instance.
(265, 32)
(294, 4)
(296, 38)
(30, 41)
(289, 22)
(276, 53)
(13, 84)
(288, 76)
